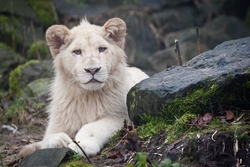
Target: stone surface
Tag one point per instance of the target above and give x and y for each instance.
(30, 71)
(227, 66)
(51, 157)
(38, 88)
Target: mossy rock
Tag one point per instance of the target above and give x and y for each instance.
(9, 60)
(214, 78)
(28, 72)
(39, 50)
(37, 88)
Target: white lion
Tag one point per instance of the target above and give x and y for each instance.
(88, 94)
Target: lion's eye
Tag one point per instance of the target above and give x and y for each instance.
(102, 49)
(77, 52)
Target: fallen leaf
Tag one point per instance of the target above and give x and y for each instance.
(229, 115)
(114, 156)
(202, 121)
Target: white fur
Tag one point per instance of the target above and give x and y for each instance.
(90, 112)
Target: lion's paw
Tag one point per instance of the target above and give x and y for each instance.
(90, 147)
(57, 140)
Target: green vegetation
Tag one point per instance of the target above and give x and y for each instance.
(196, 101)
(142, 162)
(7, 30)
(44, 11)
(1, 159)
(77, 164)
(153, 125)
(14, 84)
(16, 112)
(75, 161)
(177, 115)
(38, 50)
(180, 127)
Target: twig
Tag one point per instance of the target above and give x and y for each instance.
(177, 51)
(109, 149)
(239, 109)
(238, 119)
(36, 113)
(198, 40)
(83, 151)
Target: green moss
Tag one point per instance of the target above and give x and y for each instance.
(177, 114)
(15, 75)
(153, 126)
(197, 101)
(246, 84)
(77, 164)
(38, 50)
(180, 127)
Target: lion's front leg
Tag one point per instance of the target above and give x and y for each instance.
(92, 137)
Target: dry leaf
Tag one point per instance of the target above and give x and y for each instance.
(229, 115)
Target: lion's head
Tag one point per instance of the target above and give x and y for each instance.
(89, 55)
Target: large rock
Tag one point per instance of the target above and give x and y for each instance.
(30, 71)
(51, 157)
(219, 76)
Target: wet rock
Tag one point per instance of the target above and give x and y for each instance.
(226, 69)
(51, 157)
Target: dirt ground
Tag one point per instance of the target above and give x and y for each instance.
(11, 142)
(213, 149)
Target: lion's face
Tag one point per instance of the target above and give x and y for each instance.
(88, 54)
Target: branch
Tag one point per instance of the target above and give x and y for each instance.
(177, 51)
(82, 151)
(198, 40)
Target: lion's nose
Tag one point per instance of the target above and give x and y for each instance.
(92, 70)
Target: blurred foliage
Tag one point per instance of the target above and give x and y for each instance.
(38, 50)
(78, 3)
(7, 30)
(44, 11)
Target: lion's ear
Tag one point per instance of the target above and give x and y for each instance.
(56, 36)
(115, 29)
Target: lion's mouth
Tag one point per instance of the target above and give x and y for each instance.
(93, 80)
